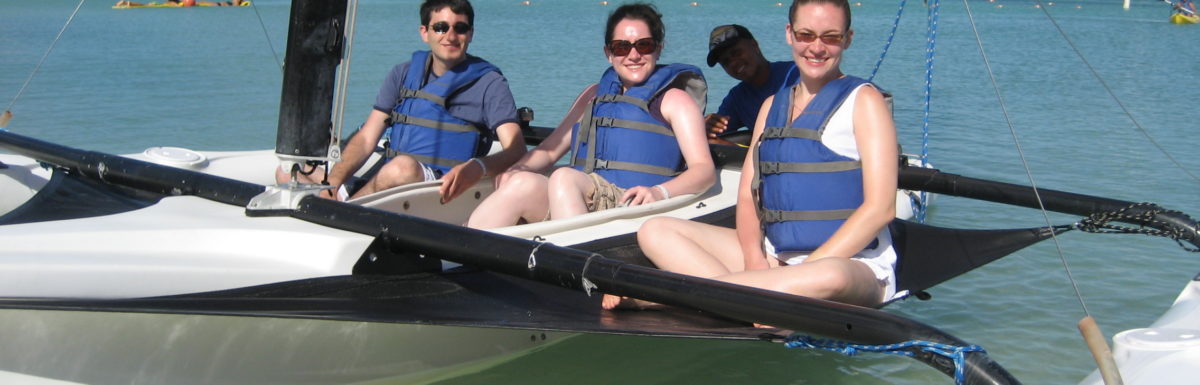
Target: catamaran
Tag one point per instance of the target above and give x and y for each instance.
(115, 263)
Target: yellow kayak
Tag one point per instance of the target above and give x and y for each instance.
(130, 5)
(1180, 18)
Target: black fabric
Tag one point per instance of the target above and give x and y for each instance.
(68, 196)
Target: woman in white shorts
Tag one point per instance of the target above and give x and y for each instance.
(817, 190)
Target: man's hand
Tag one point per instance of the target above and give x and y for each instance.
(715, 124)
(459, 179)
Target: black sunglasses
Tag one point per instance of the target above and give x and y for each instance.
(644, 46)
(460, 28)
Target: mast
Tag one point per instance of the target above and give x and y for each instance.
(314, 51)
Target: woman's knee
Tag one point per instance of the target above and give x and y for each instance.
(565, 183)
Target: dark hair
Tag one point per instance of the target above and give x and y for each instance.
(843, 4)
(637, 11)
(461, 7)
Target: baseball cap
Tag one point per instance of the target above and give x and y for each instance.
(723, 37)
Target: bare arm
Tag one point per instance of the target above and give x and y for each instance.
(553, 148)
(682, 113)
(463, 176)
(747, 224)
(358, 148)
(875, 133)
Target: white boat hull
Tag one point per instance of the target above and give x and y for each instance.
(108, 347)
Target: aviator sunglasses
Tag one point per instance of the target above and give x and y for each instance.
(644, 46)
(809, 37)
(460, 28)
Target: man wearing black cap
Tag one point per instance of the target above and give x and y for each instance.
(734, 47)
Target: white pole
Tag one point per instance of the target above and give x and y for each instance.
(1126, 5)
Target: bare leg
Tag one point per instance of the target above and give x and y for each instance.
(522, 195)
(689, 247)
(315, 177)
(685, 247)
(837, 279)
(399, 171)
(567, 191)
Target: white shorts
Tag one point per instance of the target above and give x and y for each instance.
(881, 260)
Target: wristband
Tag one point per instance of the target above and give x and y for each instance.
(666, 195)
(481, 165)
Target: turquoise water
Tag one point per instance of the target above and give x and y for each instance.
(123, 80)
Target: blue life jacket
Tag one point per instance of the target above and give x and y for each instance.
(422, 128)
(621, 141)
(805, 191)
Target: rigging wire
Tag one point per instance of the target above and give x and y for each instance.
(268, 35)
(44, 56)
(339, 100)
(1021, 153)
(1112, 94)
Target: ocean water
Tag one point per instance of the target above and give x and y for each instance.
(208, 78)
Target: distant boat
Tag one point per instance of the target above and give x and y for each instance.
(172, 4)
(1180, 18)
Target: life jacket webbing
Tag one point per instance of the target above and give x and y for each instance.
(633, 125)
(446, 126)
(788, 132)
(782, 167)
(407, 94)
(774, 216)
(601, 164)
(428, 160)
(644, 105)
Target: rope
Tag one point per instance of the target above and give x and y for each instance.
(930, 50)
(888, 44)
(44, 56)
(1099, 223)
(908, 349)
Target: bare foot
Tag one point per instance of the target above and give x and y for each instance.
(611, 302)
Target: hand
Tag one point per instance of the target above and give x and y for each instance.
(638, 195)
(715, 124)
(459, 179)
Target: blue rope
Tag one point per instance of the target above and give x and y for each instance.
(886, 46)
(930, 50)
(956, 353)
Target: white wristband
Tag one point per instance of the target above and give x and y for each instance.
(481, 165)
(666, 195)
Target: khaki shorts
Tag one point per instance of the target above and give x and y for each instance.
(604, 196)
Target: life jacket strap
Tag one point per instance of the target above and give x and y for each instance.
(796, 167)
(633, 125)
(602, 164)
(428, 160)
(611, 98)
(788, 132)
(775, 216)
(409, 94)
(398, 118)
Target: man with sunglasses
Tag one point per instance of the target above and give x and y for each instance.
(734, 47)
(444, 108)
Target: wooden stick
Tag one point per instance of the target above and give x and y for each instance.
(1099, 348)
(5, 118)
